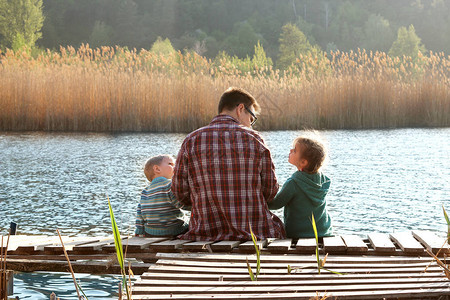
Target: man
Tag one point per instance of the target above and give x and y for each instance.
(225, 172)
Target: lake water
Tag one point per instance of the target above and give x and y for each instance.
(382, 181)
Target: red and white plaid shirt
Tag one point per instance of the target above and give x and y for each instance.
(225, 172)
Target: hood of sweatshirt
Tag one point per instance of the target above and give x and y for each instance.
(315, 186)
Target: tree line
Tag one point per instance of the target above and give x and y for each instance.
(214, 28)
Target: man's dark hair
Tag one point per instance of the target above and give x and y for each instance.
(232, 97)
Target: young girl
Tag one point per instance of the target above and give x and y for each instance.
(304, 192)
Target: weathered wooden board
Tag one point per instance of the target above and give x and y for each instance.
(250, 247)
(234, 257)
(135, 244)
(198, 246)
(379, 294)
(407, 242)
(93, 267)
(342, 280)
(37, 243)
(277, 246)
(310, 270)
(69, 244)
(381, 242)
(306, 245)
(295, 288)
(293, 276)
(354, 244)
(293, 264)
(224, 246)
(334, 244)
(15, 241)
(225, 276)
(167, 246)
(431, 241)
(94, 246)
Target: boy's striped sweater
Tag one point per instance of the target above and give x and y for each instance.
(158, 212)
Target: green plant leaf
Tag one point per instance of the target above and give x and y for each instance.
(447, 220)
(258, 253)
(313, 221)
(117, 239)
(250, 272)
(445, 215)
(84, 295)
(334, 272)
(119, 249)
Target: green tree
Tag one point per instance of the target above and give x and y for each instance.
(20, 22)
(346, 27)
(161, 46)
(292, 43)
(102, 35)
(407, 43)
(260, 58)
(242, 40)
(378, 34)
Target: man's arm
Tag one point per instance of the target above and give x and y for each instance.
(174, 201)
(269, 184)
(180, 184)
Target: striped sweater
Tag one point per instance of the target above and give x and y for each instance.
(158, 212)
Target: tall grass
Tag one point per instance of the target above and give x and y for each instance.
(113, 89)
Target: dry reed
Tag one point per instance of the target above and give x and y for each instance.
(112, 89)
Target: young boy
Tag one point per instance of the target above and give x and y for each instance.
(304, 192)
(158, 213)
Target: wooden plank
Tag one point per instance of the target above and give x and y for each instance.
(334, 244)
(381, 242)
(306, 245)
(283, 289)
(7, 282)
(57, 247)
(146, 257)
(354, 244)
(37, 243)
(289, 258)
(379, 294)
(135, 244)
(94, 246)
(407, 242)
(431, 241)
(15, 241)
(280, 245)
(293, 264)
(199, 246)
(310, 270)
(250, 247)
(224, 246)
(188, 282)
(170, 245)
(92, 267)
(292, 276)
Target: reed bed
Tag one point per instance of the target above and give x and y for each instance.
(115, 90)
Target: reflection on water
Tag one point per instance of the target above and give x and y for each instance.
(382, 180)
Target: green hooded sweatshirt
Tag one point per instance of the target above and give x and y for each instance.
(301, 195)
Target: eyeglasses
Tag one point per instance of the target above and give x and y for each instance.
(253, 121)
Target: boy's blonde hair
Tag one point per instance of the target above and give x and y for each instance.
(154, 161)
(314, 151)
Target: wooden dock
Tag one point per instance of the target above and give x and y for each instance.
(379, 266)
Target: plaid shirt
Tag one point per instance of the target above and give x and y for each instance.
(225, 171)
